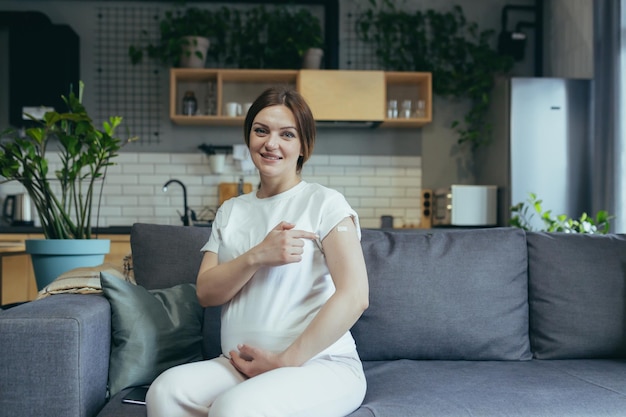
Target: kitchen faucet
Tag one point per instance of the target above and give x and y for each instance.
(185, 216)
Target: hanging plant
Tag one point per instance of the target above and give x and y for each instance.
(458, 54)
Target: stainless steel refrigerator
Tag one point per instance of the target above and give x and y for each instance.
(541, 145)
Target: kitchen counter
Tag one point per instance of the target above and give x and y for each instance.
(110, 230)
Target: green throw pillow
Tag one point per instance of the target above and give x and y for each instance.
(152, 330)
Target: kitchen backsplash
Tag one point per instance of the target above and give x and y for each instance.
(133, 192)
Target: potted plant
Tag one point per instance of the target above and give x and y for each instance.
(459, 56)
(307, 39)
(524, 212)
(64, 199)
(271, 38)
(184, 38)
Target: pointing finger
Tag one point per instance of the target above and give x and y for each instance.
(303, 234)
(284, 226)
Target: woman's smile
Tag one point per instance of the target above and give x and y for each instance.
(271, 156)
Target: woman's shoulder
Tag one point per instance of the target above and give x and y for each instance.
(233, 203)
(316, 189)
(323, 197)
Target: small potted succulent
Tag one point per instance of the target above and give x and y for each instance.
(64, 199)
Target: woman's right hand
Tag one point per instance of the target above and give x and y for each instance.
(218, 283)
(283, 245)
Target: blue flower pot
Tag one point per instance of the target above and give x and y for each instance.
(52, 257)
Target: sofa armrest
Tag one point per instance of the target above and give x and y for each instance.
(54, 356)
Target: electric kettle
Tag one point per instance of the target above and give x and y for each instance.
(16, 210)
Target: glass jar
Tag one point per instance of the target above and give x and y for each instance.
(392, 109)
(421, 109)
(190, 104)
(406, 109)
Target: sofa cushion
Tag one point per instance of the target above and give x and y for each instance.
(151, 330)
(495, 388)
(577, 287)
(177, 249)
(445, 294)
(164, 256)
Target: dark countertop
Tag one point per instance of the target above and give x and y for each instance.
(110, 230)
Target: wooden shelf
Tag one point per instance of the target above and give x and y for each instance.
(411, 122)
(334, 95)
(413, 86)
(220, 86)
(203, 120)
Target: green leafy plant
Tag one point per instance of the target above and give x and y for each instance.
(524, 211)
(258, 37)
(458, 54)
(173, 28)
(64, 202)
(271, 38)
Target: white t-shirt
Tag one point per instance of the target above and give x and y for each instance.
(278, 303)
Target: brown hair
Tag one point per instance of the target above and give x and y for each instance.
(305, 123)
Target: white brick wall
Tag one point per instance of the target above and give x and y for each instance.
(374, 186)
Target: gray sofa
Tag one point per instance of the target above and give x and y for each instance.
(482, 322)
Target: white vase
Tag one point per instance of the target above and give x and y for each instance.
(194, 44)
(312, 58)
(216, 162)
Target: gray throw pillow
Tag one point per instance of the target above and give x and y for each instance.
(576, 289)
(445, 294)
(152, 330)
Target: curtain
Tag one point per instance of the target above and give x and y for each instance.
(621, 173)
(608, 149)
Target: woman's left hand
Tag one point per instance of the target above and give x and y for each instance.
(252, 361)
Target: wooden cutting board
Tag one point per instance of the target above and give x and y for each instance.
(229, 190)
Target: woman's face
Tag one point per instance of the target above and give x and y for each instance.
(275, 142)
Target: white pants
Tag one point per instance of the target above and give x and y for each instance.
(328, 386)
